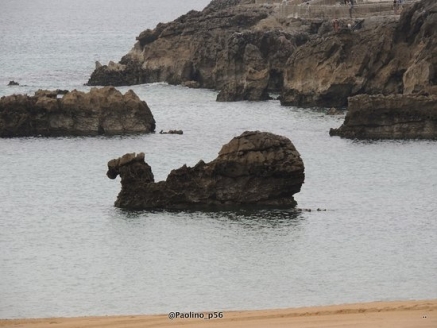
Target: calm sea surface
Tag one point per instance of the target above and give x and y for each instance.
(66, 251)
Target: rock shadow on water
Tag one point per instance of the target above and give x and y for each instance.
(252, 218)
(257, 218)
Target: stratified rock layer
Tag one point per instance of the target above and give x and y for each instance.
(390, 117)
(255, 168)
(100, 111)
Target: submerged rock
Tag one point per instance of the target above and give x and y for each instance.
(254, 168)
(390, 117)
(100, 111)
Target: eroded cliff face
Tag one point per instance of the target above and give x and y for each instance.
(399, 99)
(183, 50)
(247, 51)
(252, 64)
(257, 168)
(100, 111)
(390, 117)
(386, 57)
(232, 46)
(325, 71)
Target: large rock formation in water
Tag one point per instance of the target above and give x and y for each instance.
(390, 117)
(100, 111)
(257, 168)
(384, 57)
(247, 50)
(229, 46)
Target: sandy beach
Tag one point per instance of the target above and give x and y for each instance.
(405, 314)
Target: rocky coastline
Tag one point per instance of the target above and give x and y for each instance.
(223, 47)
(382, 57)
(104, 111)
(246, 51)
(255, 168)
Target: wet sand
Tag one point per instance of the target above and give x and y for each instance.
(408, 314)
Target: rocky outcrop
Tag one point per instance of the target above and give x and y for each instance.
(384, 57)
(229, 46)
(248, 51)
(255, 168)
(390, 117)
(13, 83)
(100, 111)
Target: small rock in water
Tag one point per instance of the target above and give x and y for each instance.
(11, 83)
(171, 132)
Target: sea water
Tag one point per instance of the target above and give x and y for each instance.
(65, 250)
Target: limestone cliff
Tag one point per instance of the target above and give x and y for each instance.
(229, 46)
(247, 51)
(384, 57)
(257, 168)
(100, 111)
(406, 77)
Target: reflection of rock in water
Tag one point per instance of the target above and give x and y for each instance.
(255, 168)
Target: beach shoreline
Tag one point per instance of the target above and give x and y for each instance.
(400, 314)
